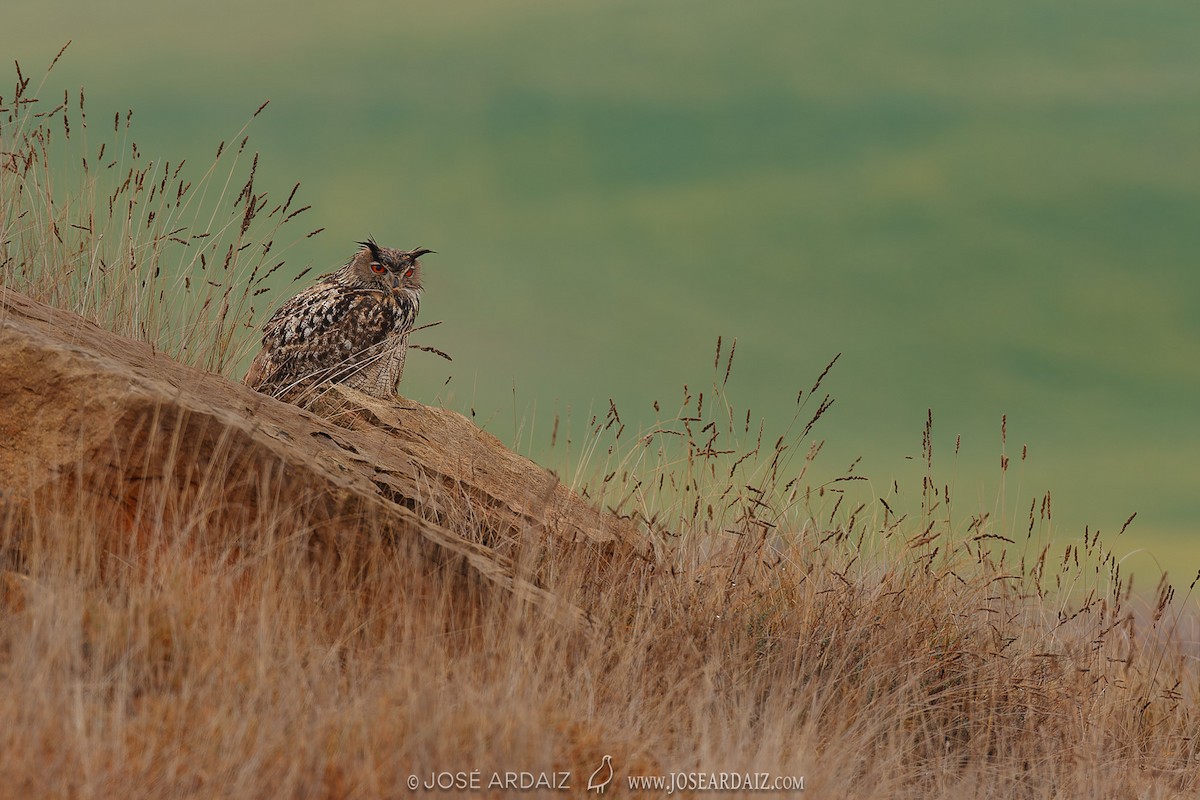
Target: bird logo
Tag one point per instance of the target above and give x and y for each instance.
(602, 776)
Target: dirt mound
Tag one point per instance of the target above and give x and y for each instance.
(93, 417)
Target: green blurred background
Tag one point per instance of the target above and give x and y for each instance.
(988, 208)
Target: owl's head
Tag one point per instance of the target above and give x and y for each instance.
(385, 267)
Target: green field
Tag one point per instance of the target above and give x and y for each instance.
(987, 209)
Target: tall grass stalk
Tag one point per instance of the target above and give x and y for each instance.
(147, 247)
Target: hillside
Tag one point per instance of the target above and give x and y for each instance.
(142, 441)
(207, 592)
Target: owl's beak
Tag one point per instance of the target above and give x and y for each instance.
(395, 276)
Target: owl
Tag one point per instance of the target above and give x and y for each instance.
(351, 327)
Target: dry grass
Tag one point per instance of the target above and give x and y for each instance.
(144, 247)
(785, 628)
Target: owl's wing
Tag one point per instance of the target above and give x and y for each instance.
(327, 329)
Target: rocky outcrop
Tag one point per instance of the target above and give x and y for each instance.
(87, 416)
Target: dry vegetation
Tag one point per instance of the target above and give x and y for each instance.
(782, 627)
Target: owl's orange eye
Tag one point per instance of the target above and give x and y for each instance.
(378, 268)
(408, 273)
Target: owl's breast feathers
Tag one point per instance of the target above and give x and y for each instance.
(331, 330)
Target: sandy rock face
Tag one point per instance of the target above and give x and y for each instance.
(87, 416)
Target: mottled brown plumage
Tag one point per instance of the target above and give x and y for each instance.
(350, 327)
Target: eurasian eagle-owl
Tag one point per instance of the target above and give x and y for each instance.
(351, 327)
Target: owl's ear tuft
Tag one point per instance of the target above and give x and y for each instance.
(369, 244)
(420, 251)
